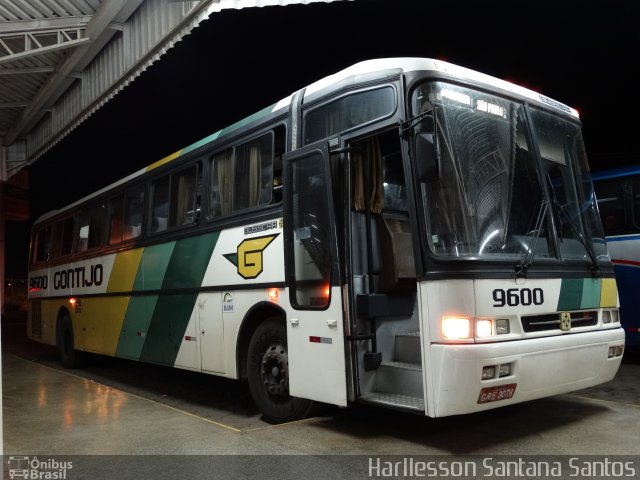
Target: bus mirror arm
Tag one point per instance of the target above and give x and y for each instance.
(427, 158)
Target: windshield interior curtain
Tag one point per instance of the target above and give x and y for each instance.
(368, 155)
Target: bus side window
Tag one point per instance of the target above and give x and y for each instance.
(253, 173)
(82, 243)
(184, 204)
(133, 209)
(160, 204)
(635, 191)
(277, 179)
(278, 152)
(41, 244)
(126, 216)
(221, 181)
(93, 226)
(116, 207)
(62, 242)
(348, 112)
(175, 199)
(248, 175)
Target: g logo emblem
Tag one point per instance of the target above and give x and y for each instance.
(248, 257)
(565, 321)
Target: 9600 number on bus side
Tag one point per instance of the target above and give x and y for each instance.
(515, 297)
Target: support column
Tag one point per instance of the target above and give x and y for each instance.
(3, 177)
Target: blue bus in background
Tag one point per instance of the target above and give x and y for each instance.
(618, 196)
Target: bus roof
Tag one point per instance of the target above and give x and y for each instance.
(413, 64)
(398, 64)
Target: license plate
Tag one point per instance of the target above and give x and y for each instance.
(493, 394)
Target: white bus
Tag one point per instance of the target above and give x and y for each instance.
(405, 233)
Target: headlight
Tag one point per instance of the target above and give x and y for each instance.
(456, 327)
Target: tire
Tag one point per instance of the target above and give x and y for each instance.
(268, 374)
(69, 356)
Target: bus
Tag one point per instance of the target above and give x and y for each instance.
(618, 196)
(406, 233)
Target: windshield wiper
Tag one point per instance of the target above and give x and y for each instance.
(595, 268)
(527, 258)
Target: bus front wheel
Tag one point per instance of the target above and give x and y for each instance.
(69, 356)
(268, 374)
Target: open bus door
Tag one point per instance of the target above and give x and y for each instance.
(315, 327)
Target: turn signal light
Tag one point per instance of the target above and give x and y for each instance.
(484, 328)
(273, 294)
(75, 304)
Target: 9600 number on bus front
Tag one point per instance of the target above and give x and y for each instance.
(515, 297)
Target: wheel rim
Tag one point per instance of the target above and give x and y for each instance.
(274, 371)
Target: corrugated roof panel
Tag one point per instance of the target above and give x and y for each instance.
(151, 22)
(11, 10)
(67, 109)
(104, 71)
(40, 134)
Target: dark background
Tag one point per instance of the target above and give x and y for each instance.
(240, 61)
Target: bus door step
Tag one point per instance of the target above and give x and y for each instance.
(393, 400)
(400, 378)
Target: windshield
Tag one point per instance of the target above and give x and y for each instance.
(493, 199)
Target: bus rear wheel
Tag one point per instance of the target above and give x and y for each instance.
(69, 356)
(268, 374)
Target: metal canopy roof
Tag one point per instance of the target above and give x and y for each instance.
(44, 47)
(34, 37)
(60, 60)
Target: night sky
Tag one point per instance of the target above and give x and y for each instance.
(238, 62)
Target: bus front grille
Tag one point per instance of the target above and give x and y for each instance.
(541, 323)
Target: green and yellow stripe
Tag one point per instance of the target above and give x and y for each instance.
(583, 293)
(149, 326)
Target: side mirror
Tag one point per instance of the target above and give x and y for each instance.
(427, 157)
